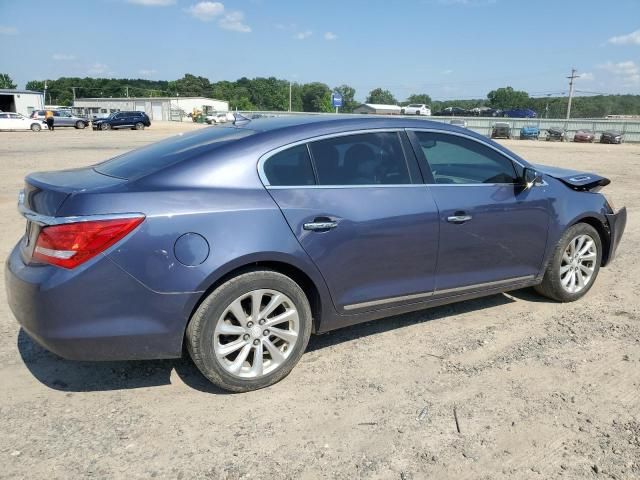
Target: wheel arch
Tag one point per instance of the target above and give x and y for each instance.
(603, 231)
(296, 273)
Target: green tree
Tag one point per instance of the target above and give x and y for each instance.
(507, 97)
(6, 82)
(191, 86)
(378, 95)
(418, 98)
(348, 98)
(316, 97)
(35, 85)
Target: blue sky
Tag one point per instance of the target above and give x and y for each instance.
(446, 48)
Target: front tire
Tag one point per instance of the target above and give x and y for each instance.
(574, 265)
(251, 331)
(105, 126)
(35, 127)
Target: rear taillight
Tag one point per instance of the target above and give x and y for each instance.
(70, 244)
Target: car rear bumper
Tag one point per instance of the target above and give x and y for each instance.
(617, 223)
(95, 312)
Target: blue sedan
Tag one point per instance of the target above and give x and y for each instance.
(238, 242)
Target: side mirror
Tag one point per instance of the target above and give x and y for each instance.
(530, 177)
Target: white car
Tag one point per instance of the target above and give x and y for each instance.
(220, 118)
(15, 121)
(416, 109)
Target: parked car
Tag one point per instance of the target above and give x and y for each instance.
(458, 122)
(584, 136)
(520, 113)
(416, 109)
(453, 112)
(132, 120)
(485, 112)
(15, 121)
(556, 134)
(530, 132)
(236, 243)
(219, 118)
(501, 130)
(61, 118)
(611, 137)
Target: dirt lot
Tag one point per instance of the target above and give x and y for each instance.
(541, 390)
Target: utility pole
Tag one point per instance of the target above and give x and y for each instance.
(74, 93)
(571, 79)
(127, 90)
(289, 95)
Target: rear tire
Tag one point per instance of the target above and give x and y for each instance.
(139, 126)
(80, 125)
(557, 282)
(229, 359)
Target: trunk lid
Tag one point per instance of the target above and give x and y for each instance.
(582, 181)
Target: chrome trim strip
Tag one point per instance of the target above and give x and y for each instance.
(46, 220)
(330, 187)
(416, 296)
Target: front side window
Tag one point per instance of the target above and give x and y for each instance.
(291, 167)
(457, 160)
(361, 159)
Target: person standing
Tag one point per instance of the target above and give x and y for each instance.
(49, 119)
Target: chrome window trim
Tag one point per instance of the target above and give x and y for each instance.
(46, 220)
(416, 296)
(266, 156)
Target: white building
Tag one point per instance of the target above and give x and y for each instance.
(158, 108)
(21, 101)
(377, 108)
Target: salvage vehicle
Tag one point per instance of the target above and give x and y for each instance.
(117, 120)
(238, 242)
(458, 122)
(555, 134)
(501, 130)
(14, 121)
(520, 113)
(611, 137)
(416, 109)
(584, 136)
(62, 118)
(529, 132)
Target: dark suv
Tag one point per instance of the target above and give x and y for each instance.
(132, 120)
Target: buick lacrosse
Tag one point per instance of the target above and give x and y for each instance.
(238, 242)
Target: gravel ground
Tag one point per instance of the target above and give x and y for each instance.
(509, 386)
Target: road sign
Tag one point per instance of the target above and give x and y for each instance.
(336, 99)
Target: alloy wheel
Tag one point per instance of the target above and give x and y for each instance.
(256, 333)
(578, 263)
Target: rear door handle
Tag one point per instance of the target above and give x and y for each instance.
(459, 218)
(320, 226)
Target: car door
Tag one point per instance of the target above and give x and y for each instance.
(119, 120)
(359, 209)
(492, 229)
(5, 123)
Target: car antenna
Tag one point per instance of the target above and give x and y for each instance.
(239, 119)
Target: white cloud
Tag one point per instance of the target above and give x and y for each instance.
(99, 69)
(153, 3)
(6, 30)
(632, 38)
(587, 76)
(63, 56)
(234, 21)
(628, 72)
(303, 35)
(205, 11)
(447, 72)
(330, 36)
(147, 72)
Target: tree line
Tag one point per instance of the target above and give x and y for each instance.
(272, 94)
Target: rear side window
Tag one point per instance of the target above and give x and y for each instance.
(362, 159)
(168, 152)
(458, 160)
(290, 167)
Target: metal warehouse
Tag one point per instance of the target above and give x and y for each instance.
(21, 101)
(377, 108)
(158, 108)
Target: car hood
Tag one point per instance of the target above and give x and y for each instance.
(575, 179)
(530, 129)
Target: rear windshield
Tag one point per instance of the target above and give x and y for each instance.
(154, 157)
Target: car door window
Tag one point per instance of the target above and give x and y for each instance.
(457, 160)
(361, 159)
(291, 167)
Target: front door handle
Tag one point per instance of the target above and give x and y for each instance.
(459, 218)
(320, 226)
